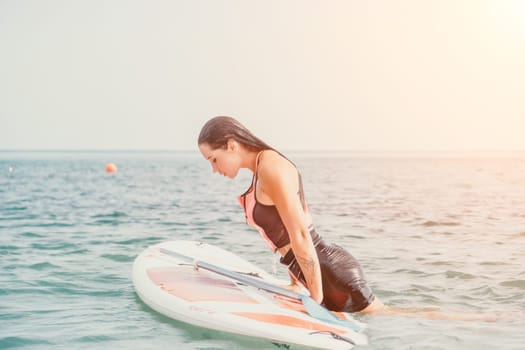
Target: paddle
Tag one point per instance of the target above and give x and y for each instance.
(311, 306)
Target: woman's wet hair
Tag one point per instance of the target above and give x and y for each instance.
(217, 131)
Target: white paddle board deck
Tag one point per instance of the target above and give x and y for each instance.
(202, 298)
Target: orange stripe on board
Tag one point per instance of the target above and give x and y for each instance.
(197, 285)
(289, 321)
(290, 304)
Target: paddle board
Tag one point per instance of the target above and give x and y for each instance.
(182, 291)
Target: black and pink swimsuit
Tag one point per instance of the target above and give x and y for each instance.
(344, 286)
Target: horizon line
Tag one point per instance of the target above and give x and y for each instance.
(160, 150)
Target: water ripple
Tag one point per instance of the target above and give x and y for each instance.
(459, 275)
(431, 223)
(520, 284)
(16, 342)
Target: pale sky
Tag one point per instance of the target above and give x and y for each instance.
(364, 75)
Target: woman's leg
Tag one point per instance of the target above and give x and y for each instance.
(378, 308)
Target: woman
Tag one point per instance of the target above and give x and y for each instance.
(274, 204)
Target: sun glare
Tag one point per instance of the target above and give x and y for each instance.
(508, 15)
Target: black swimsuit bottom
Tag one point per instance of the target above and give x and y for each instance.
(344, 286)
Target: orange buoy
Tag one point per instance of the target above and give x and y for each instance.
(111, 168)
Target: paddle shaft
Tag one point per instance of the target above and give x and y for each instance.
(237, 276)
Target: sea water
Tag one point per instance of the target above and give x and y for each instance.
(430, 230)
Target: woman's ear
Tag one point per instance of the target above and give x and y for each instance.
(233, 145)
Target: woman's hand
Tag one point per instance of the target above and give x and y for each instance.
(296, 286)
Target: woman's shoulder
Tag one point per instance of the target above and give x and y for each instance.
(273, 157)
(272, 163)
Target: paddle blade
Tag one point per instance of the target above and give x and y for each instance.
(319, 312)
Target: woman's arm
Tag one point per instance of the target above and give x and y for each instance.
(296, 285)
(279, 181)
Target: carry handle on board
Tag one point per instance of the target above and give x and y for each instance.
(311, 306)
